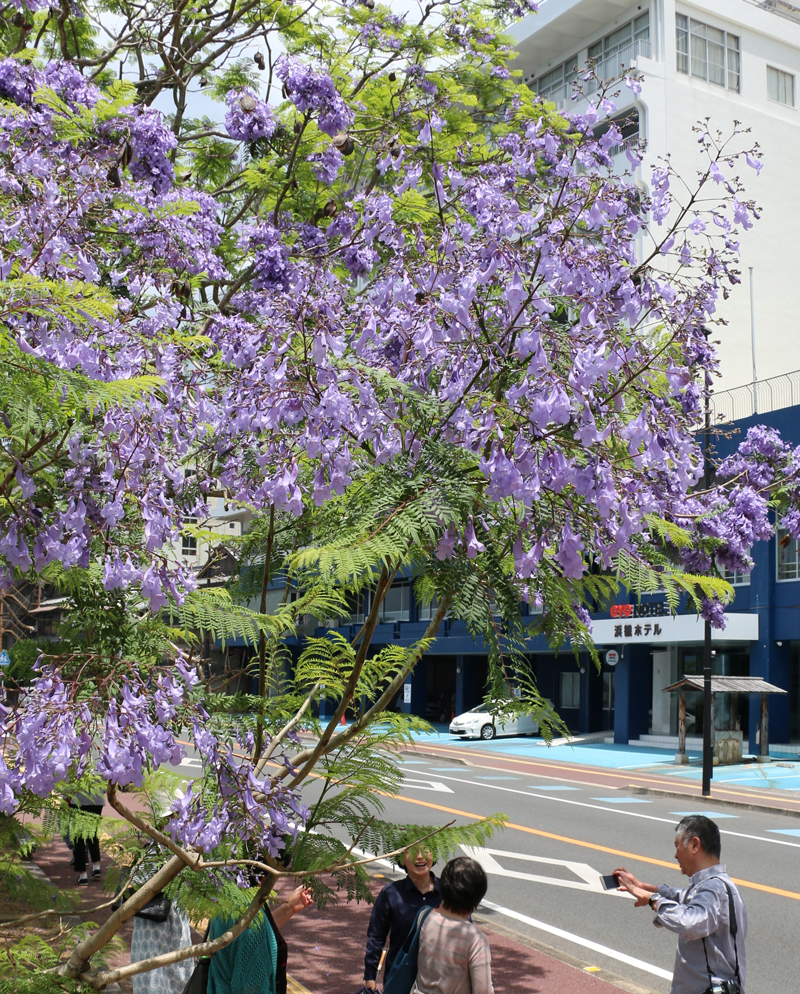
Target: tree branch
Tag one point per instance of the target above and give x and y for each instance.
(105, 977)
(193, 861)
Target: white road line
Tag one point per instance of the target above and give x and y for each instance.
(580, 941)
(619, 811)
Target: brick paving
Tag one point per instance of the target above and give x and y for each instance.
(326, 955)
(326, 948)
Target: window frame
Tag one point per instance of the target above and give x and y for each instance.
(782, 75)
(575, 681)
(189, 542)
(780, 533)
(687, 48)
(568, 74)
(362, 602)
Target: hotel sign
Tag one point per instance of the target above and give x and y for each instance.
(670, 630)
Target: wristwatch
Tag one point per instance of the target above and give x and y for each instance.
(653, 897)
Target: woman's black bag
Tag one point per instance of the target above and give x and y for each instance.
(198, 982)
(156, 910)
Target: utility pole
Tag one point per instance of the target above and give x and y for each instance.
(708, 757)
(753, 342)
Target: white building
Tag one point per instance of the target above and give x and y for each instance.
(725, 60)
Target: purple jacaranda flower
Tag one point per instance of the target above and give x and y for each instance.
(471, 543)
(313, 91)
(248, 119)
(326, 164)
(151, 143)
(569, 556)
(754, 163)
(713, 611)
(447, 544)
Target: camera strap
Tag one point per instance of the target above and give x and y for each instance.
(734, 928)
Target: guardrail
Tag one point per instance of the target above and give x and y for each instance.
(773, 394)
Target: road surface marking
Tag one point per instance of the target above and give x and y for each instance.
(419, 784)
(622, 800)
(590, 879)
(706, 814)
(550, 786)
(618, 811)
(583, 804)
(562, 767)
(579, 940)
(752, 885)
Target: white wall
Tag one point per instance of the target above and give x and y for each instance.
(671, 102)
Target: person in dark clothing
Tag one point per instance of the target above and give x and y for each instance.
(91, 804)
(394, 912)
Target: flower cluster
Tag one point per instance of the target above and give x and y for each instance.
(152, 143)
(60, 732)
(248, 119)
(326, 165)
(312, 91)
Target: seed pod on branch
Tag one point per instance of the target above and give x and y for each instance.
(258, 58)
(343, 143)
(248, 103)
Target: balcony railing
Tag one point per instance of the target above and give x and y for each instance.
(780, 7)
(614, 64)
(773, 394)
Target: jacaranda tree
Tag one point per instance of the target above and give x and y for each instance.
(405, 313)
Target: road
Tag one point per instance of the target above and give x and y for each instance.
(566, 829)
(544, 868)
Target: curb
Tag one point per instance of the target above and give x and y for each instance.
(717, 802)
(490, 923)
(414, 751)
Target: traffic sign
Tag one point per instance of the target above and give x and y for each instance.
(5, 659)
(612, 657)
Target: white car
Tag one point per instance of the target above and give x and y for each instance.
(479, 723)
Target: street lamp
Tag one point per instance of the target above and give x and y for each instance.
(708, 756)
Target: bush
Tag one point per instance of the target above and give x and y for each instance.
(23, 655)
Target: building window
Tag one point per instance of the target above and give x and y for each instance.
(427, 611)
(556, 84)
(570, 690)
(780, 86)
(189, 542)
(707, 53)
(628, 126)
(394, 607)
(735, 576)
(617, 50)
(395, 603)
(608, 691)
(788, 558)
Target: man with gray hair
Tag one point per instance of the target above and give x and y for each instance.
(709, 916)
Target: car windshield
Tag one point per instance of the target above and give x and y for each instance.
(480, 709)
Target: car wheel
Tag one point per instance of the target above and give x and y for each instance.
(487, 732)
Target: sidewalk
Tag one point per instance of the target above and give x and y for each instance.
(326, 947)
(326, 955)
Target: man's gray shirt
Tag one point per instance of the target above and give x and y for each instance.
(701, 912)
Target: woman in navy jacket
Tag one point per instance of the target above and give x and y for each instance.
(396, 908)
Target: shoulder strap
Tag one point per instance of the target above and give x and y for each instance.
(732, 926)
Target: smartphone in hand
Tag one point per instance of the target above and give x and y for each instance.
(610, 882)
